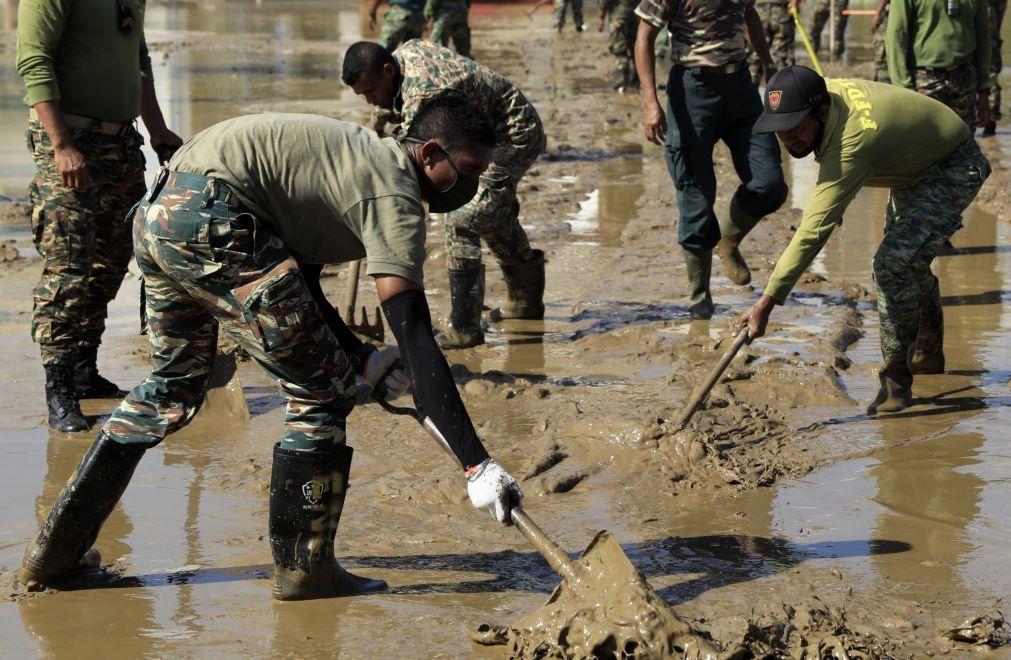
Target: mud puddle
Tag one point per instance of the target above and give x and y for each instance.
(781, 491)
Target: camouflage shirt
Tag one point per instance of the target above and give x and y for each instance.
(703, 32)
(429, 71)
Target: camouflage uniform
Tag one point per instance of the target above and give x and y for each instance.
(621, 40)
(577, 13)
(403, 22)
(880, 56)
(780, 33)
(449, 21)
(920, 218)
(997, 8)
(81, 236)
(820, 19)
(429, 71)
(205, 258)
(956, 87)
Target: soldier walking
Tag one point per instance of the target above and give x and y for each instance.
(449, 23)
(218, 237)
(404, 21)
(88, 76)
(879, 27)
(577, 14)
(710, 97)
(865, 133)
(780, 33)
(621, 41)
(943, 51)
(997, 9)
(822, 12)
(401, 84)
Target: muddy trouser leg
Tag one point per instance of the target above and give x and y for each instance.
(461, 35)
(818, 20)
(559, 13)
(841, 20)
(919, 219)
(880, 55)
(577, 13)
(440, 30)
(996, 60)
(400, 25)
(622, 23)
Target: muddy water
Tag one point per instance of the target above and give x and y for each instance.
(901, 521)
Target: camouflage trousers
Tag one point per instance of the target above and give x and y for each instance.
(450, 23)
(577, 13)
(81, 236)
(880, 56)
(822, 10)
(997, 9)
(956, 88)
(919, 219)
(780, 33)
(493, 214)
(400, 24)
(621, 44)
(205, 258)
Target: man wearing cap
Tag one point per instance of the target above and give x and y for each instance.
(710, 97)
(873, 134)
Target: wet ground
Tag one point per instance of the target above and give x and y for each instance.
(781, 492)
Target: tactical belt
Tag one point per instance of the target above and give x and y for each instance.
(722, 70)
(88, 124)
(944, 69)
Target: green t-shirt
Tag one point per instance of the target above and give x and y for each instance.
(74, 52)
(333, 191)
(876, 135)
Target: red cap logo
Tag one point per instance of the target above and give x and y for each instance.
(774, 97)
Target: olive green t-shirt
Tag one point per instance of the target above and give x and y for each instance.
(333, 191)
(876, 135)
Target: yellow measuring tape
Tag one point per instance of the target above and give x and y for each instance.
(807, 42)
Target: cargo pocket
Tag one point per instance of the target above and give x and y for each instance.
(279, 308)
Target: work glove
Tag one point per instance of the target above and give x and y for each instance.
(382, 374)
(491, 487)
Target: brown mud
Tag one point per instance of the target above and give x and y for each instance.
(781, 520)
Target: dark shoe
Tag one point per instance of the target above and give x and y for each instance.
(90, 384)
(700, 268)
(466, 293)
(927, 356)
(525, 283)
(307, 491)
(61, 397)
(891, 397)
(80, 509)
(990, 129)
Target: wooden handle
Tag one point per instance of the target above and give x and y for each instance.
(702, 390)
(555, 556)
(352, 292)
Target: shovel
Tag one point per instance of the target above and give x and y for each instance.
(701, 390)
(807, 42)
(374, 330)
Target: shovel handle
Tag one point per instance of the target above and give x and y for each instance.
(702, 390)
(352, 291)
(554, 555)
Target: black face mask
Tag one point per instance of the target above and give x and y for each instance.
(461, 191)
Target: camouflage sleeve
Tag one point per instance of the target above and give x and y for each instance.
(983, 44)
(653, 12)
(145, 60)
(40, 28)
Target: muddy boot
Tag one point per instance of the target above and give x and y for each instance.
(466, 292)
(700, 268)
(61, 396)
(892, 397)
(525, 282)
(928, 351)
(990, 129)
(90, 384)
(735, 224)
(307, 490)
(80, 509)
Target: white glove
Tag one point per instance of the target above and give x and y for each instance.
(491, 487)
(382, 365)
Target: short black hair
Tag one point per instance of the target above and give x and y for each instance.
(361, 57)
(456, 122)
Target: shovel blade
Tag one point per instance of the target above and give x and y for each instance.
(603, 567)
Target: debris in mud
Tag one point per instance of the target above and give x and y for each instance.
(988, 628)
(562, 483)
(547, 459)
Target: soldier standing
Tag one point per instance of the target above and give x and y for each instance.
(871, 134)
(780, 32)
(216, 238)
(942, 50)
(879, 27)
(997, 10)
(621, 40)
(822, 11)
(404, 21)
(577, 13)
(401, 84)
(449, 22)
(88, 76)
(710, 97)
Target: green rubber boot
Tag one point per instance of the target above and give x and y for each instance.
(928, 351)
(466, 292)
(700, 268)
(892, 397)
(525, 283)
(735, 224)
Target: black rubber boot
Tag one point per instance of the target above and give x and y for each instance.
(525, 283)
(307, 492)
(928, 351)
(990, 129)
(892, 397)
(78, 513)
(90, 384)
(700, 268)
(466, 292)
(61, 397)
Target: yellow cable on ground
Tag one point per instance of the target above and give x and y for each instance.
(807, 42)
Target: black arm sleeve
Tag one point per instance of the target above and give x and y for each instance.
(348, 340)
(431, 381)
